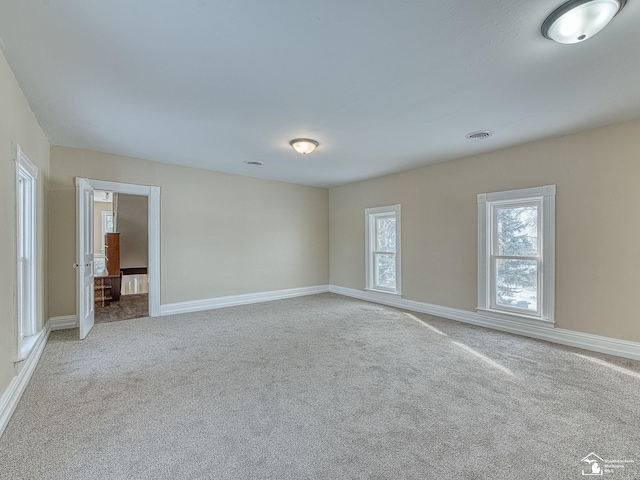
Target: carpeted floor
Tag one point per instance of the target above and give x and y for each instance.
(128, 307)
(319, 387)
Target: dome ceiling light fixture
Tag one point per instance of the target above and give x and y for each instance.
(303, 145)
(578, 20)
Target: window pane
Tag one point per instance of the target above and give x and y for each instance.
(26, 252)
(517, 231)
(385, 234)
(385, 270)
(109, 223)
(516, 283)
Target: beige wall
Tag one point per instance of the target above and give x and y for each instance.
(221, 234)
(597, 174)
(98, 240)
(133, 226)
(18, 125)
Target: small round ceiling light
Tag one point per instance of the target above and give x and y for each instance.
(303, 145)
(255, 164)
(479, 135)
(578, 20)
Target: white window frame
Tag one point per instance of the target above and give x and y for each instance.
(370, 241)
(26, 178)
(105, 215)
(544, 198)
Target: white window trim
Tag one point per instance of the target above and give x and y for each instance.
(545, 195)
(26, 226)
(369, 213)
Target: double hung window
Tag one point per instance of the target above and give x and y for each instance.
(383, 264)
(26, 175)
(516, 252)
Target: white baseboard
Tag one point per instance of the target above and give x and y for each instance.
(233, 300)
(11, 396)
(596, 343)
(63, 323)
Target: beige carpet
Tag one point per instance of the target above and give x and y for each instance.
(318, 387)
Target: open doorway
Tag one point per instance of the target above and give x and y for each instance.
(141, 272)
(121, 256)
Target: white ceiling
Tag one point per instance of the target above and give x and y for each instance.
(384, 86)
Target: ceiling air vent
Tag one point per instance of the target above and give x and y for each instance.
(257, 164)
(479, 135)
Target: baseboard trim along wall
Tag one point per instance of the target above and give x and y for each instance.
(11, 396)
(596, 343)
(234, 300)
(63, 323)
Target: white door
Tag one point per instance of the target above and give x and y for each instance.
(85, 307)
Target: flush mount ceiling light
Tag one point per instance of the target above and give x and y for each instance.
(303, 145)
(255, 164)
(578, 20)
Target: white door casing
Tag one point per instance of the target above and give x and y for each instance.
(84, 264)
(85, 234)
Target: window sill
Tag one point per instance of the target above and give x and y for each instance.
(26, 346)
(516, 317)
(397, 294)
